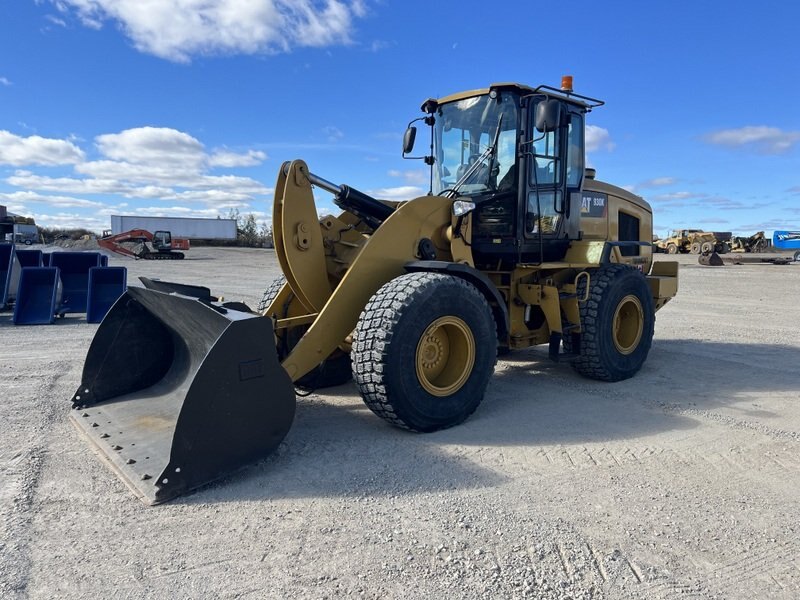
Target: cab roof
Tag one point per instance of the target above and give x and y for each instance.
(522, 90)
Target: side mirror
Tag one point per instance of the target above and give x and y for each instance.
(548, 115)
(408, 140)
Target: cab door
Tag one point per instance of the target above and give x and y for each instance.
(554, 177)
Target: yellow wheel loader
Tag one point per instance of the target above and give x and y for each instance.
(516, 244)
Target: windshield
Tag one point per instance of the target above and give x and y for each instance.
(463, 132)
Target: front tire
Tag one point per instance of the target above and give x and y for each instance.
(617, 323)
(334, 370)
(672, 249)
(424, 350)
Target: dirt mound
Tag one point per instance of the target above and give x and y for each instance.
(89, 245)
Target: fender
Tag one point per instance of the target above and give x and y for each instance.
(476, 278)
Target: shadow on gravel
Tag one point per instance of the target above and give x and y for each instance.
(538, 401)
(337, 447)
(343, 450)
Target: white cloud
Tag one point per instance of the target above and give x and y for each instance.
(36, 150)
(598, 138)
(149, 162)
(5, 81)
(657, 182)
(55, 20)
(416, 177)
(679, 196)
(225, 158)
(378, 45)
(333, 134)
(30, 180)
(178, 30)
(766, 140)
(145, 163)
(403, 192)
(70, 220)
(136, 181)
(153, 146)
(58, 201)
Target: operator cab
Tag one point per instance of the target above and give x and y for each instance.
(162, 240)
(516, 154)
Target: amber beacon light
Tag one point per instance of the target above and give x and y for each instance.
(566, 83)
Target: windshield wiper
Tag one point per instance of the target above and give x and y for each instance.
(490, 153)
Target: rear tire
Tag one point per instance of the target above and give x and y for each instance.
(707, 248)
(617, 323)
(797, 256)
(423, 351)
(333, 371)
(695, 248)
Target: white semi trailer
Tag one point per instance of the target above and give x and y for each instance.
(179, 227)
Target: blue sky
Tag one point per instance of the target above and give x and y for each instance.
(188, 107)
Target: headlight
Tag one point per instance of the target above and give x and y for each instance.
(462, 207)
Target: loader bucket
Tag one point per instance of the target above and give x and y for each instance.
(710, 259)
(177, 392)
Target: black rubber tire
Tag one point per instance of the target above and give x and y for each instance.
(797, 256)
(386, 342)
(672, 249)
(695, 248)
(333, 371)
(598, 357)
(271, 292)
(707, 247)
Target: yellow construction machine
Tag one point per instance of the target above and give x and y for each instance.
(516, 244)
(694, 241)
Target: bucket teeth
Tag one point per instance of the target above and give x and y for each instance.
(190, 390)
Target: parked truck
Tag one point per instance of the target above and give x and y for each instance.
(25, 234)
(694, 241)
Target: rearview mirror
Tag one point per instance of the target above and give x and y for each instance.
(548, 115)
(408, 140)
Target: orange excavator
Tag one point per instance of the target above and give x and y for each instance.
(140, 243)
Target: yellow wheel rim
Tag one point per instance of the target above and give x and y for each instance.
(445, 356)
(628, 324)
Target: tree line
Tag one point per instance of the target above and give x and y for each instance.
(248, 231)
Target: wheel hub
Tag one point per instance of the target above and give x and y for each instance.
(628, 324)
(445, 356)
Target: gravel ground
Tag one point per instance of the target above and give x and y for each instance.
(680, 483)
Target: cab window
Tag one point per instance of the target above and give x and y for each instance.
(575, 151)
(546, 166)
